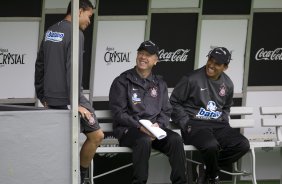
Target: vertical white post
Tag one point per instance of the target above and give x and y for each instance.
(74, 90)
(281, 164)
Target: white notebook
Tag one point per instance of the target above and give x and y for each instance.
(156, 131)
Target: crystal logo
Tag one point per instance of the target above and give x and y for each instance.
(210, 113)
(112, 56)
(8, 58)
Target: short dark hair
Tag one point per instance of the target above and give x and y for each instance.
(84, 4)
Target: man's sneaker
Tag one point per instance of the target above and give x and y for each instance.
(214, 180)
(202, 178)
(84, 179)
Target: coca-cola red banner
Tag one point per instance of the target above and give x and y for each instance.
(175, 34)
(266, 50)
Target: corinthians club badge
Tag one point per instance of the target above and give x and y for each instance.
(154, 92)
(222, 90)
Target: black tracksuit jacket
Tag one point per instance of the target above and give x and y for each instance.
(198, 97)
(132, 98)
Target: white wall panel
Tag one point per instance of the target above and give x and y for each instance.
(267, 4)
(52, 4)
(35, 147)
(18, 50)
(116, 51)
(174, 3)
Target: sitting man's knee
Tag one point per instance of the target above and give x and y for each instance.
(176, 139)
(144, 141)
(212, 147)
(96, 136)
(100, 135)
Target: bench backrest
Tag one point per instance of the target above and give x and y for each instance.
(274, 120)
(235, 123)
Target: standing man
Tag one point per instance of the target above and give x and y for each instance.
(201, 105)
(53, 76)
(139, 94)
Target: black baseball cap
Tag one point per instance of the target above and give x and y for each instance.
(221, 55)
(150, 47)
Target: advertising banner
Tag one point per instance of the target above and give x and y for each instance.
(266, 50)
(18, 50)
(116, 51)
(175, 34)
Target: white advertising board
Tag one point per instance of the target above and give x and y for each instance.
(116, 51)
(18, 50)
(175, 4)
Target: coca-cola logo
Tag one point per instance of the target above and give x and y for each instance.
(112, 56)
(180, 55)
(269, 54)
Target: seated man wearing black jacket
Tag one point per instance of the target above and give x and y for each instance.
(139, 94)
(201, 105)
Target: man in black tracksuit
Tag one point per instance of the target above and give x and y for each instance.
(139, 94)
(53, 78)
(201, 105)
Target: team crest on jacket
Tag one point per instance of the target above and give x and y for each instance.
(154, 92)
(135, 99)
(222, 90)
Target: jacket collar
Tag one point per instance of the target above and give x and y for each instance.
(134, 77)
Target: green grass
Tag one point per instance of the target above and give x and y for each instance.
(258, 182)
